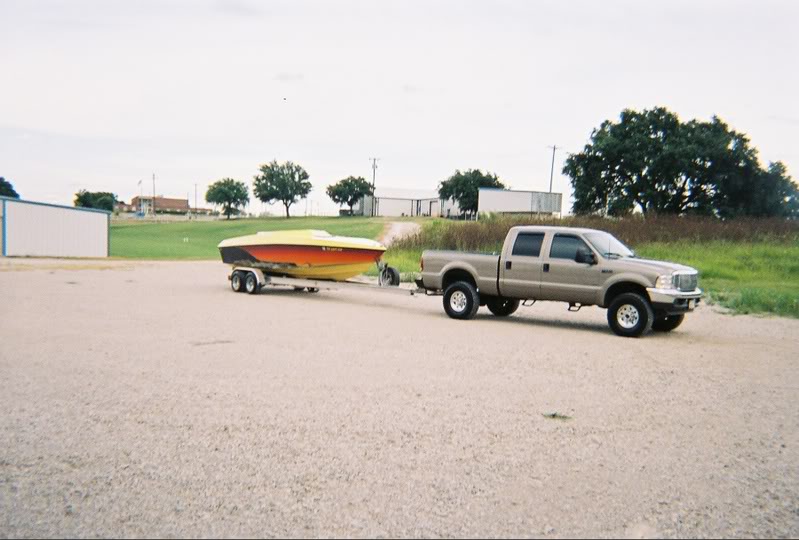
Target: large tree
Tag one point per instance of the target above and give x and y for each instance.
(101, 200)
(349, 191)
(229, 193)
(7, 190)
(464, 188)
(285, 182)
(651, 162)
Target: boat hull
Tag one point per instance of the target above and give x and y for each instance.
(303, 254)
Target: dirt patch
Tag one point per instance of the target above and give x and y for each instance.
(172, 406)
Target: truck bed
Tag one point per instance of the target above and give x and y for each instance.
(437, 263)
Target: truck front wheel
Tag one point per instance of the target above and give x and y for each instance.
(461, 300)
(502, 307)
(630, 315)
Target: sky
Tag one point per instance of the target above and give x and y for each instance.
(101, 95)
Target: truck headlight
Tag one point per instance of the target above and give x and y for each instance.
(665, 282)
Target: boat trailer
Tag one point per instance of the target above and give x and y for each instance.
(251, 280)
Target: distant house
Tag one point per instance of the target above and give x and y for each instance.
(163, 205)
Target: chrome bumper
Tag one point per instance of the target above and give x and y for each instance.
(674, 299)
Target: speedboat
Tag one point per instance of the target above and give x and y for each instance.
(304, 254)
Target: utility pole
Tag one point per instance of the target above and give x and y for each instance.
(374, 174)
(153, 205)
(195, 200)
(552, 170)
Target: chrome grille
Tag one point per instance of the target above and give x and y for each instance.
(686, 282)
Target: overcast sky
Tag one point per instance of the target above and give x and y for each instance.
(101, 94)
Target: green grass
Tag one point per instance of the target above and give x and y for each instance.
(747, 277)
(198, 239)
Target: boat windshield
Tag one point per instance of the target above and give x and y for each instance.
(608, 245)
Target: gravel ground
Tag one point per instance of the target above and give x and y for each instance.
(146, 399)
(399, 229)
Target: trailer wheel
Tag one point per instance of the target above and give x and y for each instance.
(502, 307)
(389, 277)
(461, 300)
(237, 281)
(251, 283)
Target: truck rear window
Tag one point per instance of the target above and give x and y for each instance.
(528, 244)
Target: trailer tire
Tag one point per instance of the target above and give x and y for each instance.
(237, 281)
(502, 307)
(251, 284)
(389, 277)
(461, 300)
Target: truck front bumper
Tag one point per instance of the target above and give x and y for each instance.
(672, 301)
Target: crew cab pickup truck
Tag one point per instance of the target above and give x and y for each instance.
(582, 267)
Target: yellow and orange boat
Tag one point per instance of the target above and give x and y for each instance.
(304, 254)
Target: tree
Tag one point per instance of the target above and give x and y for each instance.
(652, 162)
(230, 193)
(101, 200)
(7, 190)
(464, 188)
(349, 191)
(285, 182)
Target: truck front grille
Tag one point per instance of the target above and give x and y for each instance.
(686, 282)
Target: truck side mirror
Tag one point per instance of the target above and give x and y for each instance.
(585, 256)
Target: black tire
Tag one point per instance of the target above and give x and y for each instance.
(502, 307)
(251, 284)
(667, 323)
(313, 289)
(466, 302)
(394, 276)
(237, 281)
(630, 315)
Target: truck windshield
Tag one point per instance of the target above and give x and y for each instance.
(608, 245)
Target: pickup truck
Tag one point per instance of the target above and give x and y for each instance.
(582, 267)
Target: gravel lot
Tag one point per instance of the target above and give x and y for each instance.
(146, 399)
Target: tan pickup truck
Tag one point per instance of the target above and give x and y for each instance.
(582, 267)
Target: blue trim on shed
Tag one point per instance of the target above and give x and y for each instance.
(78, 208)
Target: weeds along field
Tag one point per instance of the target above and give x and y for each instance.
(747, 265)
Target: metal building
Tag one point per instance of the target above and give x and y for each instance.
(507, 201)
(33, 229)
(389, 202)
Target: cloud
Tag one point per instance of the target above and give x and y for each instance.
(410, 89)
(285, 76)
(238, 7)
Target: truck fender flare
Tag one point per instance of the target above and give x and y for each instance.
(635, 281)
(460, 268)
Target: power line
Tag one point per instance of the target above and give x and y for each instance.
(374, 175)
(552, 170)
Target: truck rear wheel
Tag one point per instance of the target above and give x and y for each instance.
(461, 300)
(667, 323)
(502, 307)
(630, 315)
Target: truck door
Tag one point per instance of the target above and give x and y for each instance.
(520, 269)
(563, 278)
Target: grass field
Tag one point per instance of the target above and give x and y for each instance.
(198, 239)
(749, 267)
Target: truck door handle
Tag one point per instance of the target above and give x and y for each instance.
(546, 267)
(508, 264)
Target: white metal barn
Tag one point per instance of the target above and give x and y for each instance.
(33, 229)
(507, 201)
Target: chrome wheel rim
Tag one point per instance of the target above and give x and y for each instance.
(236, 282)
(457, 301)
(251, 284)
(627, 316)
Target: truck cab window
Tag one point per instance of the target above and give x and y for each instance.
(565, 247)
(528, 244)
